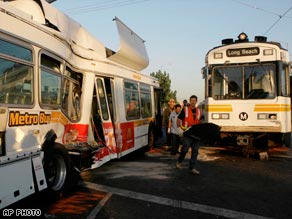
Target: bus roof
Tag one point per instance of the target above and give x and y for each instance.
(132, 52)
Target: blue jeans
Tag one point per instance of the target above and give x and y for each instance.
(187, 143)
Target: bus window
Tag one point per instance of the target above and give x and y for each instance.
(15, 51)
(132, 105)
(71, 94)
(96, 119)
(102, 99)
(109, 87)
(50, 81)
(145, 101)
(16, 74)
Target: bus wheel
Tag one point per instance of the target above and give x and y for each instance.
(59, 170)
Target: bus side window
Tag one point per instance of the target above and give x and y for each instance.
(102, 99)
(72, 94)
(145, 101)
(132, 105)
(50, 81)
(97, 122)
(16, 75)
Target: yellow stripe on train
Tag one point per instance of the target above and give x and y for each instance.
(272, 107)
(219, 108)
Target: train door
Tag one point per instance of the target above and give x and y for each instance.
(103, 116)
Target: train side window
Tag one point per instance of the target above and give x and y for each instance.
(284, 80)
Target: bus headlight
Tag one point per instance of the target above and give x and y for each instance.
(220, 115)
(266, 116)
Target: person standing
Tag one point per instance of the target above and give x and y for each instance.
(173, 129)
(189, 116)
(165, 118)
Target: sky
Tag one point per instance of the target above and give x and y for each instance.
(179, 33)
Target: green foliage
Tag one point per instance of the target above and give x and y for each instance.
(165, 84)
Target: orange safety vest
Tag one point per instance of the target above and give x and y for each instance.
(189, 120)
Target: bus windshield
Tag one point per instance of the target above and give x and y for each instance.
(244, 82)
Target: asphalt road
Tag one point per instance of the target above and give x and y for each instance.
(147, 185)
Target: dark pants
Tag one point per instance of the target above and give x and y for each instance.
(187, 143)
(175, 142)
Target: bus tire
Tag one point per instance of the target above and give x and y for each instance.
(59, 170)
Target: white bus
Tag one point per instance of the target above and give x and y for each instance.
(67, 103)
(247, 92)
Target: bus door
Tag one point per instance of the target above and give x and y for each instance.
(102, 117)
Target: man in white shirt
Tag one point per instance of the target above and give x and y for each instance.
(173, 129)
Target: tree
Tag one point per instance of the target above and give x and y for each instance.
(165, 84)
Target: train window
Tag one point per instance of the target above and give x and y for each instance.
(284, 81)
(132, 105)
(244, 82)
(227, 83)
(259, 81)
(145, 101)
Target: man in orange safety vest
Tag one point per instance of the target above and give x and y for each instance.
(189, 116)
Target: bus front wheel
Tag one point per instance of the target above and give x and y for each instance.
(59, 171)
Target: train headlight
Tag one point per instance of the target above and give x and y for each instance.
(215, 116)
(225, 116)
(220, 115)
(273, 116)
(266, 116)
(242, 37)
(262, 116)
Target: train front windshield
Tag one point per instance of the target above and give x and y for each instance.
(248, 81)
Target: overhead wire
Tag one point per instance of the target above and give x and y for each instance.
(280, 17)
(258, 8)
(103, 5)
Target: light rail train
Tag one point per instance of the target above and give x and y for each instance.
(247, 92)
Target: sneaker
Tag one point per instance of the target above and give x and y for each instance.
(195, 172)
(178, 165)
